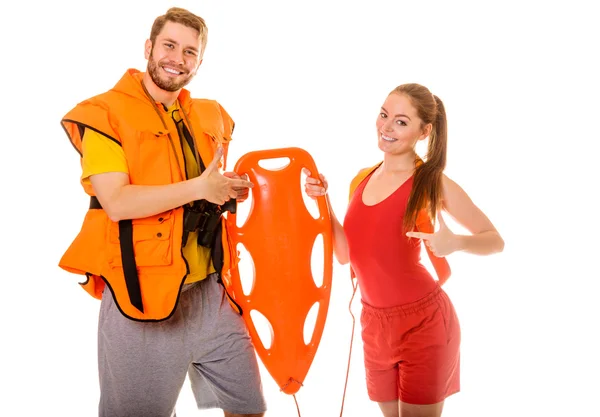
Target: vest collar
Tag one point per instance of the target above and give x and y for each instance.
(131, 84)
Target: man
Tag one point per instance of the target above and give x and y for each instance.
(153, 244)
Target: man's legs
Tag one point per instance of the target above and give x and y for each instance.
(142, 365)
(224, 372)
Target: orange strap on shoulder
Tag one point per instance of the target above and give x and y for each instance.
(279, 234)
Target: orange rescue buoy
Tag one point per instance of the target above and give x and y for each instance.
(279, 235)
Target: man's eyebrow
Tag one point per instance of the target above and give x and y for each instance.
(177, 43)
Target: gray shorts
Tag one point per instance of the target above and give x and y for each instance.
(143, 365)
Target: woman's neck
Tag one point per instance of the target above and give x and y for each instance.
(396, 164)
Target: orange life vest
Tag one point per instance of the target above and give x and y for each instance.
(141, 260)
(423, 224)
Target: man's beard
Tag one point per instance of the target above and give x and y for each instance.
(167, 84)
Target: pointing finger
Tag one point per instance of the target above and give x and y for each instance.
(419, 235)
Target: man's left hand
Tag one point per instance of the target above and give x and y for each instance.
(242, 192)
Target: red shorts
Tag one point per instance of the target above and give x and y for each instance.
(412, 352)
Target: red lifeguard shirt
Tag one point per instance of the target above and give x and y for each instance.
(387, 263)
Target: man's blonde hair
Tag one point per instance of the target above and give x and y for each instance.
(183, 17)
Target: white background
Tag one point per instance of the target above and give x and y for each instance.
(520, 83)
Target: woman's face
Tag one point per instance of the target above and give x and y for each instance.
(398, 125)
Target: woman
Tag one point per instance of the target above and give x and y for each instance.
(410, 331)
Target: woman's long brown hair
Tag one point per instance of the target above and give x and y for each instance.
(426, 192)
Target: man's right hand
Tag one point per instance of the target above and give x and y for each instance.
(217, 188)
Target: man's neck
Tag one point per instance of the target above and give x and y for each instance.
(167, 98)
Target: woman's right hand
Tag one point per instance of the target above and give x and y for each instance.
(314, 187)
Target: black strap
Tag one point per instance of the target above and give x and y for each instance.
(190, 140)
(132, 280)
(184, 134)
(218, 262)
(94, 203)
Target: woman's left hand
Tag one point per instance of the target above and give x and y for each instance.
(441, 243)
